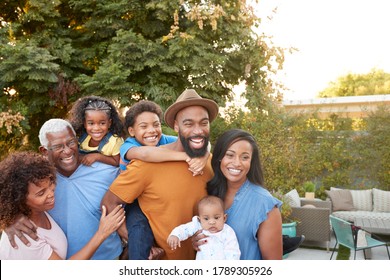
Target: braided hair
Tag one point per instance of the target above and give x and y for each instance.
(97, 103)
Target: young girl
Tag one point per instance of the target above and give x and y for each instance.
(27, 184)
(143, 122)
(99, 128)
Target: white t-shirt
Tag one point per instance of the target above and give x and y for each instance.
(49, 240)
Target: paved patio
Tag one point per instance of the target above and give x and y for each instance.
(304, 253)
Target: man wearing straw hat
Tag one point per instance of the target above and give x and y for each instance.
(167, 192)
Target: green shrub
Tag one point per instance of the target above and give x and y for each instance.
(309, 186)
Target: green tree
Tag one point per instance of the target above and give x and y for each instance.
(296, 148)
(373, 83)
(371, 150)
(53, 52)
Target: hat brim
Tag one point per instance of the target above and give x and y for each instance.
(171, 112)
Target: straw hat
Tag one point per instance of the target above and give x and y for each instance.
(188, 98)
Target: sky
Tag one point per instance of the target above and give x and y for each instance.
(333, 38)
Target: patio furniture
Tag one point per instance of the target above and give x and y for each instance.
(313, 220)
(374, 226)
(369, 208)
(353, 237)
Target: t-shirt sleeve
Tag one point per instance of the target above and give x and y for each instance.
(118, 142)
(184, 231)
(129, 185)
(127, 145)
(166, 139)
(269, 203)
(38, 250)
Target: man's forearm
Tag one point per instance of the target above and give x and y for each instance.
(110, 200)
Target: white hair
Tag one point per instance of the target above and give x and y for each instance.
(53, 126)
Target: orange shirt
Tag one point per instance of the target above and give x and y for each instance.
(167, 194)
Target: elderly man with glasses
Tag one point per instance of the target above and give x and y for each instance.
(78, 193)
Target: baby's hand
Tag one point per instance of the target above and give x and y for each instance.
(173, 242)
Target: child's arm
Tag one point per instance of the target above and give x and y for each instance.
(160, 154)
(88, 159)
(196, 165)
(155, 154)
(182, 232)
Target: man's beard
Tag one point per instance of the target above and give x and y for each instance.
(194, 153)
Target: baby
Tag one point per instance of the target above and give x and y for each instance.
(221, 242)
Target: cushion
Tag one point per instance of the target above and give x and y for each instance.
(361, 239)
(381, 200)
(362, 199)
(341, 200)
(292, 197)
(308, 206)
(375, 217)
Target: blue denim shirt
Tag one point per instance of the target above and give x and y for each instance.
(250, 207)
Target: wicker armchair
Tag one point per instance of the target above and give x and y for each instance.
(313, 222)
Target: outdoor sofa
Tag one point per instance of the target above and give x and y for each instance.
(369, 209)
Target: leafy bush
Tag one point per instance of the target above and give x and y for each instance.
(331, 152)
(285, 209)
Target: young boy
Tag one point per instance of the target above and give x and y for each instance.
(143, 122)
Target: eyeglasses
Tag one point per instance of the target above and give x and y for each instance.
(60, 147)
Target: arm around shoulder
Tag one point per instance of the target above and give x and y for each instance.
(155, 154)
(21, 226)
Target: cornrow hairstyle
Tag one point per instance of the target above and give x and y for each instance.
(97, 103)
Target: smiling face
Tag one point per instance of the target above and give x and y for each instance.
(62, 151)
(146, 129)
(212, 217)
(236, 162)
(97, 124)
(40, 196)
(193, 126)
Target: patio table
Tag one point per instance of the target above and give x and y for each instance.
(374, 226)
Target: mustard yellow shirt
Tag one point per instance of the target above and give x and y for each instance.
(112, 148)
(167, 194)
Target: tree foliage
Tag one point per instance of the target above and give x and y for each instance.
(330, 152)
(373, 83)
(53, 52)
(371, 149)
